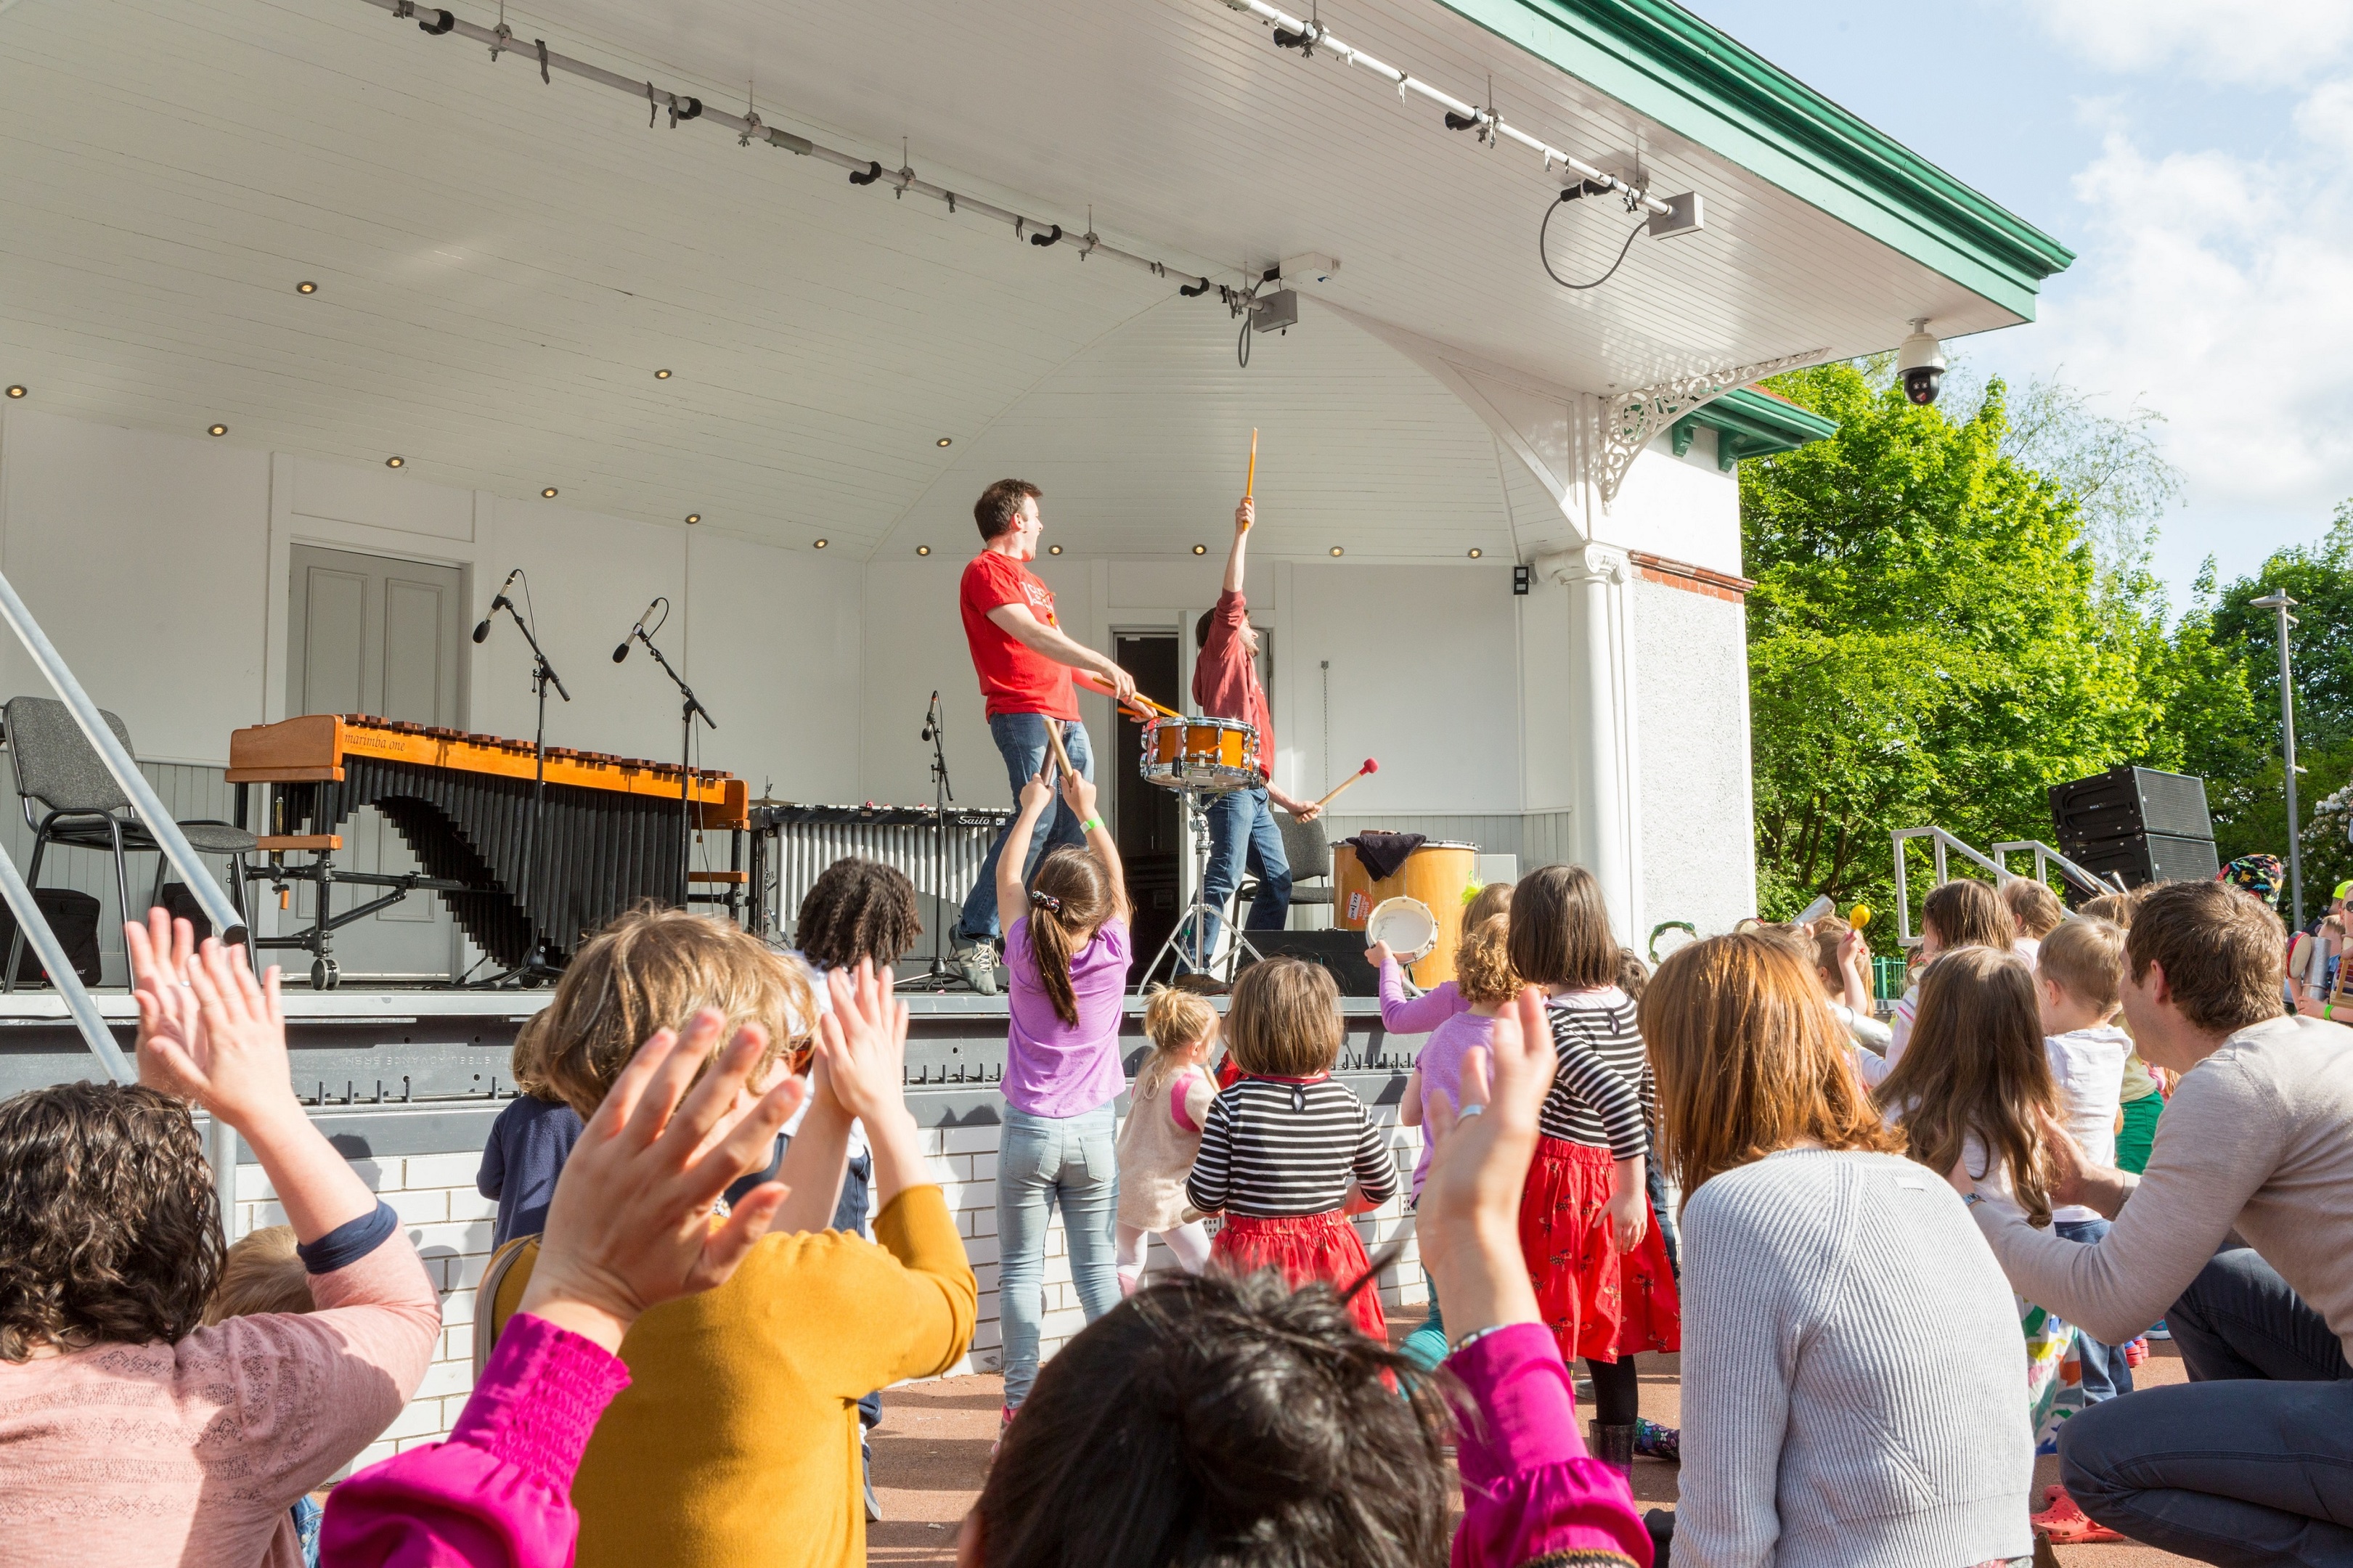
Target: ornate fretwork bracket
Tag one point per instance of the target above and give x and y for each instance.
(1632, 420)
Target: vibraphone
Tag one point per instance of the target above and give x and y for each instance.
(792, 844)
(610, 835)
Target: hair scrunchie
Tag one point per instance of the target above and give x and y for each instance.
(1046, 900)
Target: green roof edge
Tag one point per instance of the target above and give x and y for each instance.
(1665, 63)
(1751, 423)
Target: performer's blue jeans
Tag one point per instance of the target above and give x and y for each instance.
(1021, 740)
(1242, 832)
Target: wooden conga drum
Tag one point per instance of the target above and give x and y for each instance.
(1439, 874)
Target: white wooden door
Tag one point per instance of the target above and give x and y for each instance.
(374, 635)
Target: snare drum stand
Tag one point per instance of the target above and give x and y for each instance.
(1196, 911)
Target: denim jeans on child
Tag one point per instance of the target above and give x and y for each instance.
(2251, 1460)
(1044, 1162)
(2107, 1374)
(1021, 740)
(1242, 832)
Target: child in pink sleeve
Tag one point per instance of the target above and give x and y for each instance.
(1424, 1012)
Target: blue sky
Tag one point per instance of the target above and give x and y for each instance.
(2198, 156)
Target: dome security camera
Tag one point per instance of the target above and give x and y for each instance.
(1921, 363)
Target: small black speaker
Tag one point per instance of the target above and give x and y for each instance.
(2150, 857)
(2125, 801)
(1341, 951)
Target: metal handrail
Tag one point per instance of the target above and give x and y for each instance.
(1996, 864)
(2045, 857)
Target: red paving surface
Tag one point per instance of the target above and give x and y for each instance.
(932, 1451)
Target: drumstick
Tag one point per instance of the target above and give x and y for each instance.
(1054, 743)
(1136, 702)
(1249, 485)
(1370, 767)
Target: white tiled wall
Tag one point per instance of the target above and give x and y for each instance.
(449, 1222)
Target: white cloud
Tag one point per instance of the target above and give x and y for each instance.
(2217, 40)
(2220, 289)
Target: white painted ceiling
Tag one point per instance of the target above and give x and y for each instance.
(503, 265)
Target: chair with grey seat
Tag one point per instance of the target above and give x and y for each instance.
(82, 808)
(1308, 849)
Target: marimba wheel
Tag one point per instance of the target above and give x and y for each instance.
(325, 974)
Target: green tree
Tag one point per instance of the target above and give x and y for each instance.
(1932, 641)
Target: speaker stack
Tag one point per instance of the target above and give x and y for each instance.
(2146, 825)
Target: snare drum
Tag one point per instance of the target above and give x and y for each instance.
(1438, 874)
(1212, 754)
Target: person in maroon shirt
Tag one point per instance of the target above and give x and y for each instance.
(1243, 829)
(1024, 660)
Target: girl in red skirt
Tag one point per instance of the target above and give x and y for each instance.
(1283, 1144)
(1591, 1242)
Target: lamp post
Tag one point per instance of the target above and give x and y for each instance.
(2279, 601)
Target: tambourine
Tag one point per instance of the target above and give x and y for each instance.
(1406, 924)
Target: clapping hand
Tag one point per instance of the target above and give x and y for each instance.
(631, 1225)
(1470, 1209)
(208, 1029)
(861, 1044)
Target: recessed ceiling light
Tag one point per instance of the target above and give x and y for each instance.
(662, 376)
(1476, 553)
(216, 430)
(1053, 550)
(549, 492)
(396, 462)
(923, 549)
(947, 440)
(693, 517)
(1335, 550)
(1200, 550)
(306, 287)
(823, 542)
(16, 392)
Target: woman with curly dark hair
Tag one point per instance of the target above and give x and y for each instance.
(128, 1432)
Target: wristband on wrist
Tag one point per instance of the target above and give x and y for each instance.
(1090, 823)
(1473, 1337)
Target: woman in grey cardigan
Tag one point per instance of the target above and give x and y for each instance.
(1852, 1358)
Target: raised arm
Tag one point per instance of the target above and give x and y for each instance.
(1012, 896)
(1015, 622)
(1244, 515)
(1423, 1013)
(1079, 793)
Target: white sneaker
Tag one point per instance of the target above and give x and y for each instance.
(978, 964)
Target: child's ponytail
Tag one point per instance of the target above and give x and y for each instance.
(1070, 898)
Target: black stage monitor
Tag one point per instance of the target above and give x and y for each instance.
(2126, 802)
(1341, 951)
(2150, 857)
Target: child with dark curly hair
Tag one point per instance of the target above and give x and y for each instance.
(185, 1442)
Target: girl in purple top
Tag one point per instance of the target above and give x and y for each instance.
(1444, 1000)
(1066, 950)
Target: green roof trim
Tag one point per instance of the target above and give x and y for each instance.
(1666, 64)
(1750, 424)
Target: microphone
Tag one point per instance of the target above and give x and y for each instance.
(482, 628)
(934, 708)
(622, 652)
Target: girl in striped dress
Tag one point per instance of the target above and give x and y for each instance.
(1586, 1229)
(1284, 1144)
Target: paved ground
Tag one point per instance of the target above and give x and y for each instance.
(932, 1451)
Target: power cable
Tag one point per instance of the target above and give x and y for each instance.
(1542, 255)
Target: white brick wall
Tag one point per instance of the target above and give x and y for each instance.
(449, 1222)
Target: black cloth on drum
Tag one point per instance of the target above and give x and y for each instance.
(1382, 853)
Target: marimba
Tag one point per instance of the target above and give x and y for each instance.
(608, 834)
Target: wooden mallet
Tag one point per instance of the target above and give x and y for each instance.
(1370, 767)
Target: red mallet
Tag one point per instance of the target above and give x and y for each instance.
(1370, 767)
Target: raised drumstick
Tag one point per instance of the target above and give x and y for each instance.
(1054, 744)
(1250, 484)
(1370, 767)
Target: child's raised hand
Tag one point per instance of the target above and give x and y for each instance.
(1468, 1222)
(630, 1226)
(1036, 796)
(1079, 791)
(862, 1043)
(1379, 955)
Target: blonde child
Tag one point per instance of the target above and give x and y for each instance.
(2143, 1092)
(2078, 979)
(1165, 1112)
(736, 1440)
(1485, 980)
(263, 1273)
(2034, 912)
(1955, 914)
(1284, 1143)
(1444, 1000)
(527, 1146)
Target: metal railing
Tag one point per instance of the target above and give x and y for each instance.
(1994, 865)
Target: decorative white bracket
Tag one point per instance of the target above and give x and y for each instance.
(1632, 420)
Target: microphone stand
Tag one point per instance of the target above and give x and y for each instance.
(939, 976)
(534, 965)
(690, 709)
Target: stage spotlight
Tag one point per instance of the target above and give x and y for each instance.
(823, 542)
(1336, 549)
(923, 549)
(692, 518)
(16, 392)
(549, 492)
(1476, 553)
(662, 376)
(947, 440)
(306, 287)
(216, 430)
(396, 462)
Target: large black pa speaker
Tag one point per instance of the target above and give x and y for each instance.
(1341, 951)
(2150, 857)
(2126, 802)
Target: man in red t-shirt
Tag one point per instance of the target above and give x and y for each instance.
(1024, 660)
(1242, 822)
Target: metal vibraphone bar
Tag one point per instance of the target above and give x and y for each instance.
(791, 845)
